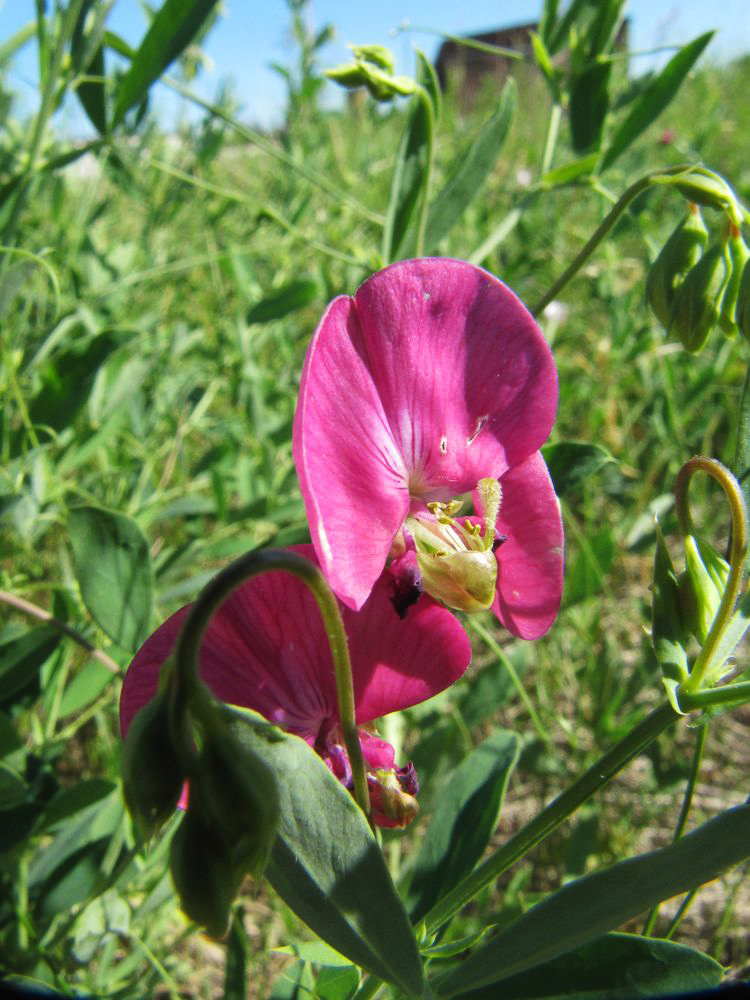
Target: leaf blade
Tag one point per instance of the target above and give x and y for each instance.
(655, 98)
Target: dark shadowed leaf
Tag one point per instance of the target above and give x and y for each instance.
(655, 98)
(571, 462)
(464, 821)
(113, 567)
(21, 658)
(589, 103)
(613, 967)
(591, 906)
(327, 866)
(175, 26)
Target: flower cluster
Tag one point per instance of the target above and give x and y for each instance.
(431, 385)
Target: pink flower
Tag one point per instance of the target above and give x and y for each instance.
(266, 649)
(432, 382)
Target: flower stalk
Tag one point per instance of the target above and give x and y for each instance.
(738, 552)
(186, 686)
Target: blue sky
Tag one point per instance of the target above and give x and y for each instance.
(250, 35)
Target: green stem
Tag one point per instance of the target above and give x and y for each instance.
(480, 629)
(187, 686)
(596, 777)
(732, 491)
(424, 97)
(601, 231)
(728, 695)
(687, 801)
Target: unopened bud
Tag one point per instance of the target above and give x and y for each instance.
(696, 305)
(742, 309)
(739, 255)
(704, 187)
(238, 795)
(203, 874)
(702, 586)
(679, 254)
(152, 775)
(373, 67)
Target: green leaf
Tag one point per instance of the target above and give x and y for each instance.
(235, 971)
(68, 379)
(175, 26)
(327, 866)
(589, 103)
(284, 300)
(572, 462)
(473, 167)
(113, 567)
(667, 632)
(464, 821)
(85, 687)
(17, 823)
(655, 98)
(569, 172)
(22, 657)
(69, 801)
(337, 984)
(589, 907)
(409, 178)
(613, 967)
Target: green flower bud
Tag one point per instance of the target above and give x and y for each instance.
(742, 309)
(696, 305)
(378, 55)
(373, 67)
(668, 632)
(203, 874)
(704, 187)
(701, 586)
(680, 253)
(738, 257)
(152, 775)
(238, 795)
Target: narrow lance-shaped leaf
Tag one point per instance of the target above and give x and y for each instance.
(410, 172)
(326, 864)
(589, 103)
(175, 26)
(613, 967)
(591, 906)
(473, 167)
(655, 98)
(464, 821)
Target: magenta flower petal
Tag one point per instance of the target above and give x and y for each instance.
(464, 375)
(431, 378)
(266, 649)
(400, 663)
(530, 561)
(351, 473)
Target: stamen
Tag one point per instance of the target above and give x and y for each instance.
(489, 495)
